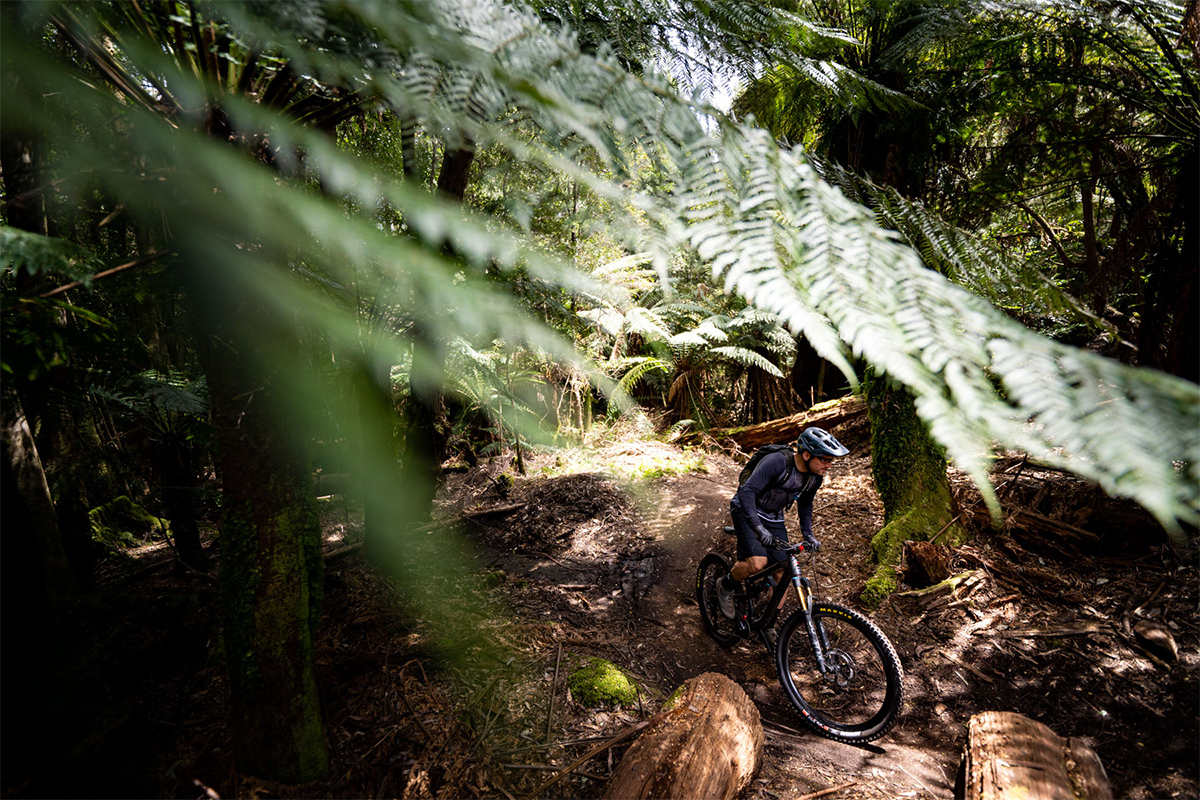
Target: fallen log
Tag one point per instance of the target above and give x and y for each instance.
(1010, 755)
(706, 742)
(825, 415)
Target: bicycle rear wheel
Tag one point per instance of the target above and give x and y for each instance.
(720, 627)
(859, 699)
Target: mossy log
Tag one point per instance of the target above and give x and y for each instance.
(1009, 755)
(706, 742)
(826, 415)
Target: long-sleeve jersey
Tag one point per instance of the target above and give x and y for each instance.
(773, 486)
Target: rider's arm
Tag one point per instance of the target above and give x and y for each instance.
(768, 471)
(804, 509)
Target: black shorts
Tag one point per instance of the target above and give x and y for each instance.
(747, 540)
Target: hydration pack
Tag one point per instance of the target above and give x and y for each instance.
(759, 455)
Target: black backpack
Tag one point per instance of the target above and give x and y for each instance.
(759, 455)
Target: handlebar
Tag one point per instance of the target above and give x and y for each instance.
(790, 548)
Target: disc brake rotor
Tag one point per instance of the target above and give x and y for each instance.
(841, 668)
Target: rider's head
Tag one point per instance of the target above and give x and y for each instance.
(817, 448)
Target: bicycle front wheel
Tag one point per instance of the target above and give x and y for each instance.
(858, 697)
(721, 628)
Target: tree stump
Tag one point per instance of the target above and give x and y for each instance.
(706, 742)
(925, 564)
(1010, 756)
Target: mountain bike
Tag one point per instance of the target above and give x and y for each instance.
(836, 666)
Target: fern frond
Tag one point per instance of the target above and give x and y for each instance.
(32, 253)
(748, 358)
(768, 227)
(641, 370)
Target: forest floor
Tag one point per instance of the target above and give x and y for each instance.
(593, 554)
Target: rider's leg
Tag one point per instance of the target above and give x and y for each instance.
(747, 567)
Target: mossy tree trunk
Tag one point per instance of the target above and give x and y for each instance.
(271, 570)
(910, 474)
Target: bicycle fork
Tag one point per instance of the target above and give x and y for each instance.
(816, 634)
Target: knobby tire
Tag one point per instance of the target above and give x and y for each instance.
(864, 702)
(722, 629)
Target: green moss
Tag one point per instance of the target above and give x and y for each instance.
(674, 698)
(601, 683)
(909, 469)
(123, 523)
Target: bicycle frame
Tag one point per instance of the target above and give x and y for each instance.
(794, 578)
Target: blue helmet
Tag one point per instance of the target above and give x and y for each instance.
(820, 442)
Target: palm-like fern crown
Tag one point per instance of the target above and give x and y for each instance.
(769, 227)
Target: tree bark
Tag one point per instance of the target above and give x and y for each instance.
(271, 570)
(910, 475)
(1009, 755)
(707, 742)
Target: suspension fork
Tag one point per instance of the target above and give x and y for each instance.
(816, 637)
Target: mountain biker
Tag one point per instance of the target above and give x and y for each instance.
(779, 479)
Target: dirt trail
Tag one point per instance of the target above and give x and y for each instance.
(621, 586)
(686, 522)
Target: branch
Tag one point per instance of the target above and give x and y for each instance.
(146, 259)
(1045, 226)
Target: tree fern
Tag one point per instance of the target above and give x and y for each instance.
(771, 230)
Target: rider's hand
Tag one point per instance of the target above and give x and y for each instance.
(812, 544)
(765, 537)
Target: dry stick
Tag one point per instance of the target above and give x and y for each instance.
(829, 791)
(600, 748)
(1151, 599)
(553, 688)
(136, 262)
(976, 672)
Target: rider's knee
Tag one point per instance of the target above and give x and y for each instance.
(751, 565)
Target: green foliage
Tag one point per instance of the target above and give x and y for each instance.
(602, 683)
(761, 219)
(32, 253)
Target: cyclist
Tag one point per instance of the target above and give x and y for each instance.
(779, 479)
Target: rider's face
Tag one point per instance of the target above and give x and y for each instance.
(818, 465)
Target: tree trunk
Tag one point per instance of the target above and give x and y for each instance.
(34, 578)
(813, 379)
(705, 743)
(1009, 755)
(35, 567)
(270, 575)
(910, 475)
(426, 438)
(768, 397)
(180, 485)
